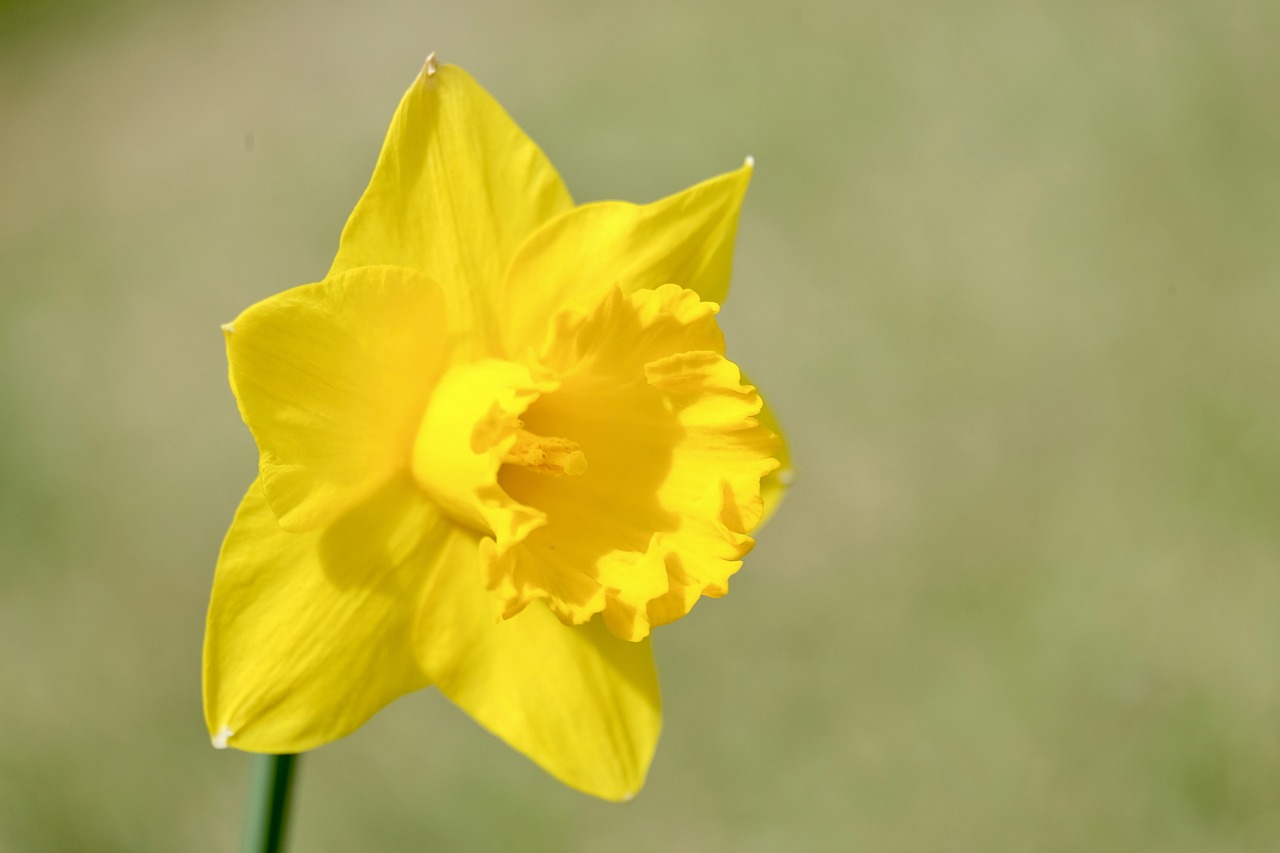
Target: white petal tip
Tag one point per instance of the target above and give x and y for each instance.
(750, 162)
(787, 476)
(220, 739)
(229, 328)
(429, 67)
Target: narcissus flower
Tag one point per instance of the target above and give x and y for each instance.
(499, 444)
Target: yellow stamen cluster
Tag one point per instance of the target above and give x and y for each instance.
(546, 455)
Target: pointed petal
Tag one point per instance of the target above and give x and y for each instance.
(578, 701)
(685, 239)
(310, 634)
(457, 188)
(332, 379)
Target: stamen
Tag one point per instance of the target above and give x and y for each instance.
(546, 455)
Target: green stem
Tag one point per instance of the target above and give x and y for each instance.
(269, 806)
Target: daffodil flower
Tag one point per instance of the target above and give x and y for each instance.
(499, 444)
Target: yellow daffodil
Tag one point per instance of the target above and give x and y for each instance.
(499, 444)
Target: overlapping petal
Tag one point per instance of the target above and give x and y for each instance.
(310, 634)
(686, 239)
(456, 190)
(580, 702)
(332, 379)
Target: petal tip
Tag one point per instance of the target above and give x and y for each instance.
(228, 328)
(749, 162)
(221, 737)
(429, 66)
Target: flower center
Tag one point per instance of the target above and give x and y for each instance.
(546, 455)
(470, 428)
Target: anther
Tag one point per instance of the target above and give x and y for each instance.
(546, 455)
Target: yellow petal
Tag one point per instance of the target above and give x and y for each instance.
(685, 239)
(457, 188)
(332, 379)
(579, 702)
(310, 634)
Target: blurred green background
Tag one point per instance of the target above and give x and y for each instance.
(1009, 272)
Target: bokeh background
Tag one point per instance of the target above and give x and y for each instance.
(1009, 272)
